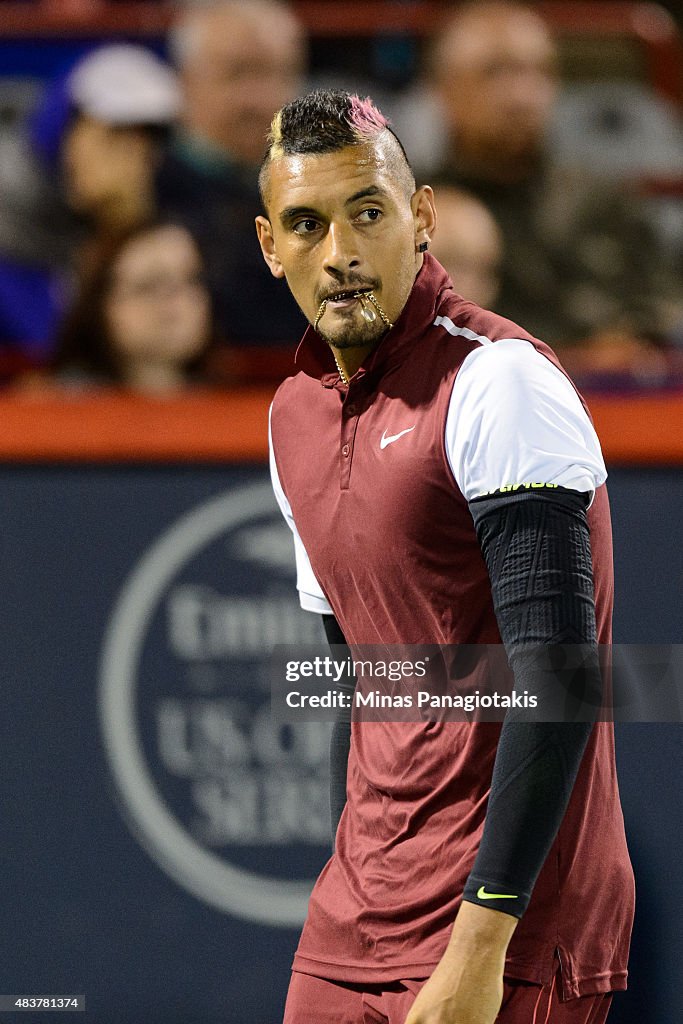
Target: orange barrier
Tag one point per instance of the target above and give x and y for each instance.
(639, 429)
(111, 426)
(231, 426)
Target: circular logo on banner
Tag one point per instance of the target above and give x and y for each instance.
(231, 804)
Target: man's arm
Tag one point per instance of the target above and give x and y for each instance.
(537, 550)
(514, 416)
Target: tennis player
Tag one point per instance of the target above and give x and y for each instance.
(444, 484)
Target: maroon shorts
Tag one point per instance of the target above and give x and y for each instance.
(318, 1001)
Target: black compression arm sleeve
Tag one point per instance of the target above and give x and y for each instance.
(537, 550)
(340, 738)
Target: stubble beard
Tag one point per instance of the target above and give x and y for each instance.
(353, 335)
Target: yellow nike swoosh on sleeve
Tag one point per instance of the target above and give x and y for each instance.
(482, 894)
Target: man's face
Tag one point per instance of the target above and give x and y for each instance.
(242, 71)
(343, 222)
(498, 81)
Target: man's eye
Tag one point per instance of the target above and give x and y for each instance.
(305, 227)
(370, 215)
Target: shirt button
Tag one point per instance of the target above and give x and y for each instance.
(351, 409)
(345, 451)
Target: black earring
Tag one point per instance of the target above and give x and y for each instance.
(423, 246)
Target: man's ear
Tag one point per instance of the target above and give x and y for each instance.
(267, 243)
(424, 215)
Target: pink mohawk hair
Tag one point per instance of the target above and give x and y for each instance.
(365, 119)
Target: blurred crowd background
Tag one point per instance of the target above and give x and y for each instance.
(131, 135)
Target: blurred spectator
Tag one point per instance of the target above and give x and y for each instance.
(124, 98)
(579, 264)
(84, 167)
(143, 316)
(239, 62)
(468, 244)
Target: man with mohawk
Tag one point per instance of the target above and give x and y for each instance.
(480, 872)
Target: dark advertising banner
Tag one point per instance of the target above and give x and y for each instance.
(160, 833)
(161, 830)
(233, 806)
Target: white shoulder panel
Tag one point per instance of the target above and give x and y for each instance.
(514, 418)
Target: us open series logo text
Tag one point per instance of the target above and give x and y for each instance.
(225, 800)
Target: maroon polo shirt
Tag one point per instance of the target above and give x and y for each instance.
(391, 541)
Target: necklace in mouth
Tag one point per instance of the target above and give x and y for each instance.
(382, 315)
(367, 312)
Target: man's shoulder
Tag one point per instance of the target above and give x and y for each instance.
(460, 317)
(190, 174)
(576, 202)
(495, 346)
(293, 392)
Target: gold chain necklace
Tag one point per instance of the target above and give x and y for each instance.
(344, 378)
(382, 315)
(368, 315)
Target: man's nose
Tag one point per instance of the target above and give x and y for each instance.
(341, 252)
(530, 89)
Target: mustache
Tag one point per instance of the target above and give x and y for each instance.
(350, 284)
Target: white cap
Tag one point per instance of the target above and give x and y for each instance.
(124, 84)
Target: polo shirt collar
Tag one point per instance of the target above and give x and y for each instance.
(314, 356)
